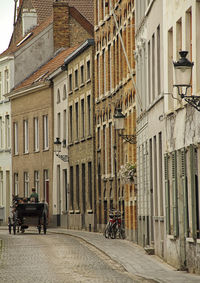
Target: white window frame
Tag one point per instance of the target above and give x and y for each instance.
(88, 63)
(26, 136)
(45, 132)
(7, 131)
(37, 181)
(1, 189)
(1, 132)
(26, 184)
(16, 145)
(36, 134)
(0, 85)
(6, 80)
(16, 183)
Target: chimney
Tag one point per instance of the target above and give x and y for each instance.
(61, 24)
(29, 20)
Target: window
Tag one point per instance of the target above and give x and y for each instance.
(64, 92)
(26, 184)
(89, 114)
(37, 182)
(153, 66)
(46, 185)
(58, 125)
(76, 113)
(88, 70)
(70, 82)
(99, 76)
(98, 137)
(58, 96)
(76, 78)
(6, 81)
(158, 59)
(36, 134)
(1, 132)
(82, 74)
(77, 187)
(0, 86)
(26, 137)
(70, 123)
(7, 131)
(64, 125)
(16, 150)
(1, 188)
(104, 72)
(82, 118)
(71, 188)
(110, 67)
(90, 183)
(45, 132)
(16, 184)
(103, 7)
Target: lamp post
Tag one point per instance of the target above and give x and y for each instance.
(57, 150)
(183, 74)
(119, 125)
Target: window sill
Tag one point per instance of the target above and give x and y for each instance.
(26, 153)
(198, 241)
(36, 151)
(70, 144)
(98, 150)
(89, 211)
(82, 139)
(70, 92)
(77, 211)
(76, 141)
(89, 137)
(82, 85)
(45, 149)
(96, 28)
(76, 88)
(71, 212)
(88, 81)
(190, 240)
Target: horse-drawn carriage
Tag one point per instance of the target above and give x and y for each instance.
(28, 214)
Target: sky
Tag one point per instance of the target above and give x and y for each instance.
(6, 23)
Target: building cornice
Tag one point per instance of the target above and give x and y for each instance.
(27, 90)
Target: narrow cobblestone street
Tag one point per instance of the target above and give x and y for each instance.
(31, 257)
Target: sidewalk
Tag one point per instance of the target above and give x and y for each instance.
(133, 258)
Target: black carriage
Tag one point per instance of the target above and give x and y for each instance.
(24, 215)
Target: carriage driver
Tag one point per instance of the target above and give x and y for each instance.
(34, 196)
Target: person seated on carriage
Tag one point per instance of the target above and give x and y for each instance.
(34, 196)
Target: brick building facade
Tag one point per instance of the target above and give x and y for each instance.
(114, 87)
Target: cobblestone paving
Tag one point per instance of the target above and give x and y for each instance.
(30, 257)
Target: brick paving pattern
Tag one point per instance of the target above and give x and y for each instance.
(58, 258)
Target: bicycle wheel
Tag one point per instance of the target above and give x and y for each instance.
(107, 231)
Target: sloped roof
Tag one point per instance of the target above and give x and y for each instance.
(13, 48)
(43, 72)
(85, 7)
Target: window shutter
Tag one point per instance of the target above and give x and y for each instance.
(175, 193)
(167, 204)
(184, 187)
(193, 193)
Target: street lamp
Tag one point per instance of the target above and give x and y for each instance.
(119, 125)
(183, 74)
(57, 150)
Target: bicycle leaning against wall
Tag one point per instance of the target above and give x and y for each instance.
(114, 228)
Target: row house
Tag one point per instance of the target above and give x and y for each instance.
(168, 151)
(182, 151)
(11, 73)
(32, 133)
(114, 88)
(65, 27)
(150, 125)
(81, 137)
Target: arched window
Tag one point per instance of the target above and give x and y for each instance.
(58, 96)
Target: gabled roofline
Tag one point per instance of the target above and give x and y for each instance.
(78, 51)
